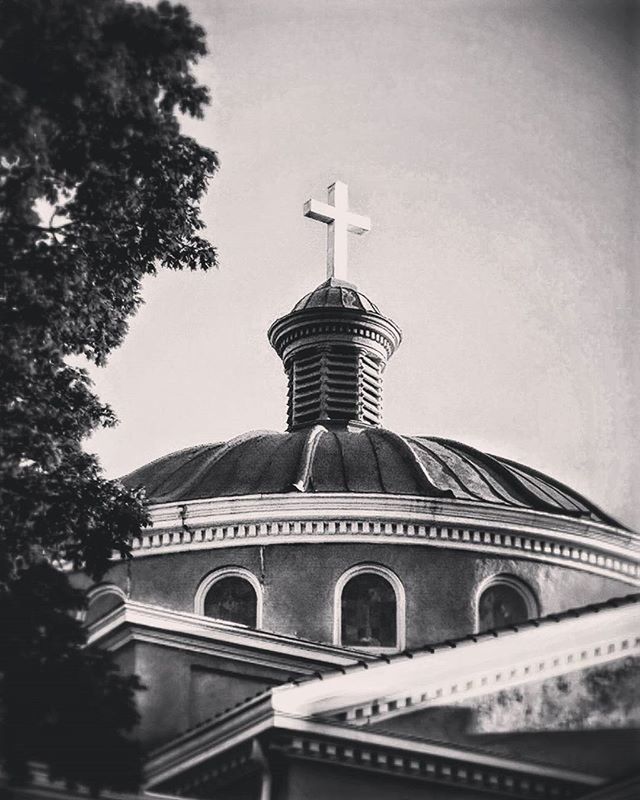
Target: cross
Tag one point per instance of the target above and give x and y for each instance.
(340, 221)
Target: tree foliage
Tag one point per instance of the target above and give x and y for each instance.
(91, 95)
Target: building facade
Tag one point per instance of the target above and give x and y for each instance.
(340, 610)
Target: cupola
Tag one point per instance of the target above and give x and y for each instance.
(334, 346)
(335, 343)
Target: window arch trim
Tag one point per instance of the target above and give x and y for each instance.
(105, 588)
(98, 591)
(398, 588)
(512, 581)
(228, 572)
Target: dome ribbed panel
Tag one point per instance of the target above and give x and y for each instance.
(329, 458)
(448, 470)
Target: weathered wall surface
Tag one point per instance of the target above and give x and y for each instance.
(601, 697)
(597, 751)
(299, 579)
(309, 781)
(184, 688)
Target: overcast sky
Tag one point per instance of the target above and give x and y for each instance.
(492, 143)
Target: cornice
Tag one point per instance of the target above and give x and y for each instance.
(135, 621)
(579, 543)
(318, 326)
(42, 785)
(430, 761)
(178, 762)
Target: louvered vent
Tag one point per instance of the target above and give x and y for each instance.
(370, 389)
(337, 384)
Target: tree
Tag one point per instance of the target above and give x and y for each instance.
(91, 95)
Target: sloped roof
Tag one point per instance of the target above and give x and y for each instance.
(307, 707)
(622, 612)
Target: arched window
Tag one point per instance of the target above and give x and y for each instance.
(232, 594)
(369, 609)
(503, 601)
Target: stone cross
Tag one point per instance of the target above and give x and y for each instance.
(340, 221)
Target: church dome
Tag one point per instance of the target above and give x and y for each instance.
(371, 460)
(334, 346)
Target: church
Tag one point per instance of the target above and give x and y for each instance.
(341, 610)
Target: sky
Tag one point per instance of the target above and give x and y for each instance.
(494, 145)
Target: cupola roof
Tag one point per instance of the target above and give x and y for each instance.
(336, 293)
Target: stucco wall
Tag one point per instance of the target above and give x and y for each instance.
(184, 688)
(441, 585)
(309, 781)
(600, 697)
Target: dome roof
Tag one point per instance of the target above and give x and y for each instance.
(335, 293)
(371, 460)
